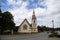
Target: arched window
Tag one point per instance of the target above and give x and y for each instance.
(34, 21)
(25, 27)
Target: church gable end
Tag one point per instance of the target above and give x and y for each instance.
(24, 27)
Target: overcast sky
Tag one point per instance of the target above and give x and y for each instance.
(45, 10)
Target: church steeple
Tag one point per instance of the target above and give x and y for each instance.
(34, 22)
(33, 12)
(33, 16)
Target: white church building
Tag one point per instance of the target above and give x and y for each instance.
(26, 27)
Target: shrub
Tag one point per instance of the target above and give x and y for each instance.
(52, 35)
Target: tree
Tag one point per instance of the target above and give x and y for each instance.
(42, 28)
(8, 23)
(0, 21)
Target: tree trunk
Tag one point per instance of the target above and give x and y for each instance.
(12, 31)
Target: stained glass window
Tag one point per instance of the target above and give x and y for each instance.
(25, 27)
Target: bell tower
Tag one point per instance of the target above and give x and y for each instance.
(34, 22)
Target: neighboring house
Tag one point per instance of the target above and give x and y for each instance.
(26, 27)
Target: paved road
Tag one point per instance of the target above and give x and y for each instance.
(38, 36)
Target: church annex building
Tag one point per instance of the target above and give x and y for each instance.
(26, 27)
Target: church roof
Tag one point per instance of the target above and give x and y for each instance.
(26, 21)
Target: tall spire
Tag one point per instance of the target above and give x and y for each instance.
(33, 16)
(33, 12)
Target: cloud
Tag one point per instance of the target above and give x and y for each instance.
(45, 10)
(53, 10)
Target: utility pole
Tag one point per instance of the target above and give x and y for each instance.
(53, 25)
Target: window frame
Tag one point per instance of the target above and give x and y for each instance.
(24, 27)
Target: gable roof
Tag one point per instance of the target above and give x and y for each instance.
(26, 21)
